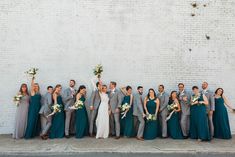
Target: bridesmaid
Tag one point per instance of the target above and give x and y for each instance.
(21, 113)
(174, 128)
(220, 116)
(151, 106)
(58, 119)
(33, 113)
(127, 123)
(199, 128)
(81, 121)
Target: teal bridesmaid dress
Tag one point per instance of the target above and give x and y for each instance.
(199, 128)
(173, 125)
(81, 121)
(58, 122)
(33, 116)
(151, 127)
(221, 120)
(127, 123)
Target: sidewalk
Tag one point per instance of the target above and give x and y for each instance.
(111, 147)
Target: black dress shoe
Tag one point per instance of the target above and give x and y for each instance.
(117, 137)
(186, 137)
(67, 136)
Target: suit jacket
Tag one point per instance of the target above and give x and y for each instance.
(95, 99)
(68, 99)
(46, 104)
(211, 100)
(185, 105)
(164, 99)
(115, 99)
(138, 105)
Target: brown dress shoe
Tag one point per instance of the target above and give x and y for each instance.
(117, 137)
(140, 138)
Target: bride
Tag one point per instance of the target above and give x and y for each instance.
(102, 119)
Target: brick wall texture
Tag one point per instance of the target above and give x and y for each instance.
(139, 42)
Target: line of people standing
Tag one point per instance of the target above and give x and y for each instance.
(202, 119)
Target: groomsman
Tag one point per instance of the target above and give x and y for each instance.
(164, 99)
(115, 100)
(45, 110)
(210, 106)
(69, 99)
(184, 99)
(138, 112)
(94, 105)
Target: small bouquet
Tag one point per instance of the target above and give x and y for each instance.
(17, 99)
(124, 109)
(77, 105)
(171, 108)
(98, 70)
(32, 72)
(56, 108)
(195, 98)
(151, 117)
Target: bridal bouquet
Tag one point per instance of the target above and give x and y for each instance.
(171, 108)
(151, 117)
(124, 109)
(17, 99)
(32, 72)
(78, 105)
(56, 108)
(98, 70)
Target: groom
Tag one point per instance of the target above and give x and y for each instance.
(115, 100)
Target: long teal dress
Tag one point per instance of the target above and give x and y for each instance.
(221, 121)
(127, 123)
(151, 127)
(58, 122)
(33, 116)
(173, 124)
(81, 121)
(199, 128)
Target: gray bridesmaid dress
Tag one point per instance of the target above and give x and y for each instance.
(21, 118)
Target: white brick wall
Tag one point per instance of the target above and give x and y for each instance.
(137, 41)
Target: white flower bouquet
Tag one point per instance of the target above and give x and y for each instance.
(98, 70)
(124, 109)
(77, 105)
(151, 117)
(55, 108)
(17, 99)
(32, 72)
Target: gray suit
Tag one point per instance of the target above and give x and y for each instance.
(164, 99)
(138, 113)
(185, 112)
(69, 101)
(210, 107)
(95, 101)
(115, 101)
(45, 111)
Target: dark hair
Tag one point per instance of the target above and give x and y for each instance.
(161, 85)
(139, 87)
(180, 84)
(21, 91)
(81, 88)
(113, 83)
(57, 86)
(48, 87)
(97, 84)
(170, 98)
(219, 89)
(128, 87)
(151, 89)
(195, 87)
(73, 81)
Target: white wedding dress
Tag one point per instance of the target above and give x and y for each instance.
(102, 120)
